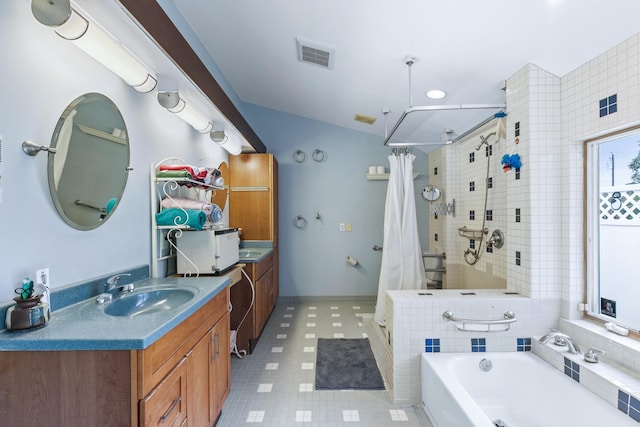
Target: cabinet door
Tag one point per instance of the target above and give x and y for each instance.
(166, 405)
(220, 364)
(200, 411)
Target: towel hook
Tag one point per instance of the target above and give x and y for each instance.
(318, 155)
(299, 156)
(300, 223)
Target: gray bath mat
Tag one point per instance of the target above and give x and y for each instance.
(346, 364)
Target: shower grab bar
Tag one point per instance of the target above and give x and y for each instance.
(477, 325)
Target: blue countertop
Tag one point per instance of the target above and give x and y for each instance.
(84, 326)
(252, 251)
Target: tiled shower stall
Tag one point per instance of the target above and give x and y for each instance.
(538, 207)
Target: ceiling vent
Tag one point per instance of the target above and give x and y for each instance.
(315, 53)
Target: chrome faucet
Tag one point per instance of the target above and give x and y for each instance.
(560, 339)
(114, 282)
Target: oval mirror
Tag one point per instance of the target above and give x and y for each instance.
(88, 173)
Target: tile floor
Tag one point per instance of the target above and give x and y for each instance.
(274, 386)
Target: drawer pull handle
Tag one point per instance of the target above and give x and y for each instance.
(170, 410)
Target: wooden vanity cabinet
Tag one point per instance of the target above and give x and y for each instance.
(187, 371)
(180, 380)
(262, 275)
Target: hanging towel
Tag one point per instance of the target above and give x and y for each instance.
(195, 219)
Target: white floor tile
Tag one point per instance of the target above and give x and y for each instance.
(350, 415)
(271, 367)
(303, 416)
(398, 415)
(265, 388)
(305, 388)
(255, 417)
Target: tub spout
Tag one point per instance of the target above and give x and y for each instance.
(560, 339)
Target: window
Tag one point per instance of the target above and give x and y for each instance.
(613, 228)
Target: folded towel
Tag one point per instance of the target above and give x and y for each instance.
(195, 219)
(173, 174)
(216, 216)
(186, 203)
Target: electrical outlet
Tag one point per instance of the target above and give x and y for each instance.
(42, 283)
(342, 227)
(42, 277)
(349, 226)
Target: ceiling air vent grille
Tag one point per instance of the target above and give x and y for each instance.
(315, 53)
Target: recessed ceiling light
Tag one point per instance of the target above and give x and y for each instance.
(436, 94)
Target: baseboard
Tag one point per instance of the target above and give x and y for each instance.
(305, 299)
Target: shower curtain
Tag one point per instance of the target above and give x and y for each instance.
(401, 266)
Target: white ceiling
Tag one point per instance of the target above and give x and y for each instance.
(465, 47)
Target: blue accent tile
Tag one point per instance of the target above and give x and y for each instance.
(432, 345)
(527, 341)
(613, 108)
(603, 112)
(567, 362)
(575, 367)
(634, 414)
(613, 99)
(575, 376)
(474, 349)
(635, 403)
(474, 341)
(567, 371)
(603, 103)
(623, 396)
(483, 341)
(520, 341)
(623, 407)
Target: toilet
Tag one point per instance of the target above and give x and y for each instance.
(433, 268)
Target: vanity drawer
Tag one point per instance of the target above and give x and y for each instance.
(259, 268)
(156, 361)
(166, 405)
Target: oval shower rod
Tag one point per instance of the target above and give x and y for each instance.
(410, 110)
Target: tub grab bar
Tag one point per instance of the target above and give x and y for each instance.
(482, 325)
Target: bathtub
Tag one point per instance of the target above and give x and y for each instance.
(520, 389)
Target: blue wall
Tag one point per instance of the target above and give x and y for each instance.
(313, 261)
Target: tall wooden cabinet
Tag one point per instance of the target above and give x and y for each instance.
(253, 199)
(253, 206)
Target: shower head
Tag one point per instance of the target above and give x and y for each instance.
(483, 141)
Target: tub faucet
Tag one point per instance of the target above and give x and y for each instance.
(560, 339)
(114, 282)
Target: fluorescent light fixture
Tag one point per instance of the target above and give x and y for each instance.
(173, 102)
(435, 94)
(94, 41)
(230, 144)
